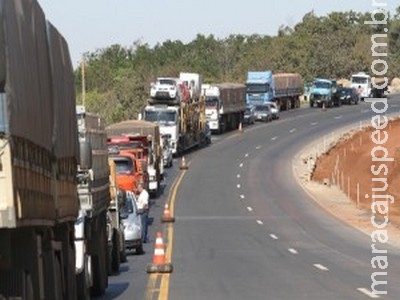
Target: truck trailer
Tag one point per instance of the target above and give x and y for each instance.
(184, 122)
(39, 203)
(284, 89)
(225, 105)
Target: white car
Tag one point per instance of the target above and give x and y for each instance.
(274, 110)
(165, 88)
(131, 221)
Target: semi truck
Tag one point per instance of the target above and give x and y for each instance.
(39, 203)
(145, 137)
(284, 89)
(362, 82)
(225, 105)
(184, 122)
(324, 93)
(94, 227)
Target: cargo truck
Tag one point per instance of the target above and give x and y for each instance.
(146, 136)
(184, 122)
(225, 105)
(93, 227)
(284, 89)
(39, 202)
(324, 93)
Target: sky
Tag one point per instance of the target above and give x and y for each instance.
(89, 25)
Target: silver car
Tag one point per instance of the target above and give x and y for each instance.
(263, 113)
(131, 221)
(274, 110)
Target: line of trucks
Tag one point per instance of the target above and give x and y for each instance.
(188, 110)
(61, 168)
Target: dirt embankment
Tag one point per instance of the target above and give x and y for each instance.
(349, 163)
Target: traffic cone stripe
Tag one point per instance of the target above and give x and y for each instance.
(159, 251)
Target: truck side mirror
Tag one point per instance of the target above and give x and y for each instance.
(85, 155)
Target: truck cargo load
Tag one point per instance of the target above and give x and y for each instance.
(38, 157)
(225, 105)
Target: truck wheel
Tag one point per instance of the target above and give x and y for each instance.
(115, 254)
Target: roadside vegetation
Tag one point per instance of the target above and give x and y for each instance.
(118, 77)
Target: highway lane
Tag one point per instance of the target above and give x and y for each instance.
(240, 235)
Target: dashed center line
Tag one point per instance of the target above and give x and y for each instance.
(241, 165)
(321, 267)
(314, 123)
(293, 251)
(238, 175)
(241, 196)
(238, 186)
(273, 236)
(368, 293)
(246, 155)
(249, 208)
(292, 130)
(259, 222)
(338, 117)
(258, 147)
(274, 138)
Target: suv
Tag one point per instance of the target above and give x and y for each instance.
(166, 88)
(263, 113)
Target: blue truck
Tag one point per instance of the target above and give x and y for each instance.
(324, 93)
(284, 89)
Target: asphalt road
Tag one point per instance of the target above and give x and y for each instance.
(245, 230)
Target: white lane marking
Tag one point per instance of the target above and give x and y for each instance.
(338, 117)
(258, 147)
(274, 138)
(321, 267)
(238, 176)
(314, 123)
(246, 155)
(259, 222)
(368, 293)
(292, 130)
(273, 236)
(241, 196)
(249, 208)
(238, 186)
(241, 165)
(293, 251)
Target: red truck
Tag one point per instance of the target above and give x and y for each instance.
(130, 161)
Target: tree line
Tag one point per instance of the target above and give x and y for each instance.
(117, 78)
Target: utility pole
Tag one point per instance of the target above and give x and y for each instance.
(83, 80)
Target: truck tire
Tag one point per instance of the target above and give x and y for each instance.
(99, 267)
(83, 290)
(115, 253)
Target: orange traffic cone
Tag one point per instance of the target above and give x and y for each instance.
(159, 264)
(167, 218)
(184, 166)
(240, 129)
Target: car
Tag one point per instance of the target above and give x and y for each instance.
(131, 220)
(348, 95)
(274, 110)
(249, 115)
(263, 113)
(166, 88)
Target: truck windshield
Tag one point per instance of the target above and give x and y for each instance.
(322, 85)
(161, 117)
(257, 88)
(123, 166)
(359, 80)
(211, 102)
